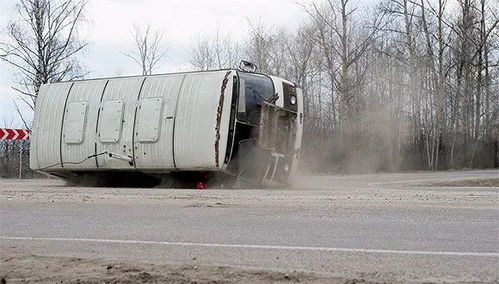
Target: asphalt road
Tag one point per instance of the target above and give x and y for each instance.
(393, 227)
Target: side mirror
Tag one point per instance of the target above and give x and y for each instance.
(247, 66)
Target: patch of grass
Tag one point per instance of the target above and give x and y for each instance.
(486, 182)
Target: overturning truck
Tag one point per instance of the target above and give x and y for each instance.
(221, 128)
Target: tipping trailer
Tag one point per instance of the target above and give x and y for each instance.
(219, 127)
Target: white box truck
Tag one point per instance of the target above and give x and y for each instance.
(214, 127)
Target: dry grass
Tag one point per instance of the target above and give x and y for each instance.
(487, 182)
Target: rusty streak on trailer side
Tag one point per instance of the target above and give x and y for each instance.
(219, 117)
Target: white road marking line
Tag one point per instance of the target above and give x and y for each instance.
(247, 246)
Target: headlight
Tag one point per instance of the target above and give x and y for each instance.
(292, 100)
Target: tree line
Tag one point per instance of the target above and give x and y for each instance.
(404, 85)
(399, 85)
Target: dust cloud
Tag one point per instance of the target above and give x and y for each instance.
(374, 142)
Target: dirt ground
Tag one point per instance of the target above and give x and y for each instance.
(381, 196)
(22, 267)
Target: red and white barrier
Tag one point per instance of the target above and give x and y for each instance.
(14, 134)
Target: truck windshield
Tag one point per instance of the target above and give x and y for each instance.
(254, 89)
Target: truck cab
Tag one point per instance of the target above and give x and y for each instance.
(217, 126)
(268, 128)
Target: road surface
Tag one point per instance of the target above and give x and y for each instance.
(390, 227)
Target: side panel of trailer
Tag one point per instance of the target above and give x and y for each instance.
(202, 121)
(117, 120)
(156, 117)
(46, 149)
(80, 124)
(162, 123)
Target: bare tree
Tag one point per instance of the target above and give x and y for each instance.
(42, 44)
(150, 47)
(217, 53)
(201, 55)
(259, 47)
(344, 42)
(299, 50)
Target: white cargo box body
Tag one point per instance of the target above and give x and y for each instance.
(163, 123)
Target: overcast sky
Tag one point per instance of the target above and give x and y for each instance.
(108, 24)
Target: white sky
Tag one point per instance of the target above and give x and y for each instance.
(108, 25)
